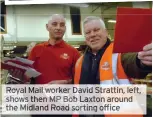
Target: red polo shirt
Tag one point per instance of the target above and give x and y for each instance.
(55, 62)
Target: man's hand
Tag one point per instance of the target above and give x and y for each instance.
(145, 56)
(61, 82)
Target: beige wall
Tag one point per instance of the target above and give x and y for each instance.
(27, 22)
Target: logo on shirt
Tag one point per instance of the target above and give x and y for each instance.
(64, 56)
(106, 66)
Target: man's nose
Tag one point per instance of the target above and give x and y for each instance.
(58, 27)
(92, 34)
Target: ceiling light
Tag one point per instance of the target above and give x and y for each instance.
(112, 21)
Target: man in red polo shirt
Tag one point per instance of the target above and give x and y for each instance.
(55, 59)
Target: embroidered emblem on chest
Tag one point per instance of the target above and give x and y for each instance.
(105, 66)
(64, 56)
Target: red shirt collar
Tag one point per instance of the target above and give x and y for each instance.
(59, 44)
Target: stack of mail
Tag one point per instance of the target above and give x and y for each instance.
(20, 64)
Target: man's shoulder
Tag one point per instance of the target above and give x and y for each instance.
(39, 46)
(70, 47)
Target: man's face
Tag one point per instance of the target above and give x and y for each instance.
(95, 35)
(56, 27)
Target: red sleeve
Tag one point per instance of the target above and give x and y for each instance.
(32, 55)
(76, 57)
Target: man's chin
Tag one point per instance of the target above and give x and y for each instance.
(58, 38)
(95, 48)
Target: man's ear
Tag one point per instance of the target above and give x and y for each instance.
(46, 26)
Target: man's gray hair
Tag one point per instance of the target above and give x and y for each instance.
(90, 18)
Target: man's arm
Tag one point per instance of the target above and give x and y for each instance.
(132, 66)
(145, 56)
(32, 54)
(75, 58)
(138, 65)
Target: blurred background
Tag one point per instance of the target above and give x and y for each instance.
(23, 24)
